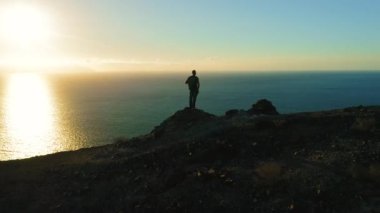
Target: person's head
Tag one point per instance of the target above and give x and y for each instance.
(194, 72)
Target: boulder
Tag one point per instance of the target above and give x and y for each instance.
(263, 107)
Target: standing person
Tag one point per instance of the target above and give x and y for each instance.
(193, 83)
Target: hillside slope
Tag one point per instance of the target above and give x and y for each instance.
(198, 162)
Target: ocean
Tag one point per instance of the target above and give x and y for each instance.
(47, 113)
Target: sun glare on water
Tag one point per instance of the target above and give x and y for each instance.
(29, 117)
(33, 120)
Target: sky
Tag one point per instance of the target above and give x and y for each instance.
(212, 35)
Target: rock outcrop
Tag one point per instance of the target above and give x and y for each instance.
(181, 122)
(263, 107)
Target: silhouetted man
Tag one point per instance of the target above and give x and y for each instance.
(193, 83)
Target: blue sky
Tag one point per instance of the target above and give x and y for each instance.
(218, 34)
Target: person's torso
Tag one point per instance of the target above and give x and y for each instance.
(192, 81)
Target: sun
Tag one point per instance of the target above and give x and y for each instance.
(25, 25)
(27, 37)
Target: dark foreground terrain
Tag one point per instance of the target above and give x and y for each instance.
(197, 162)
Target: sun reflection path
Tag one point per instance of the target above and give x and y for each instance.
(29, 117)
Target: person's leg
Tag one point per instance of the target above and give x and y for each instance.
(190, 99)
(195, 98)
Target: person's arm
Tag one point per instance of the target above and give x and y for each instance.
(187, 81)
(198, 84)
